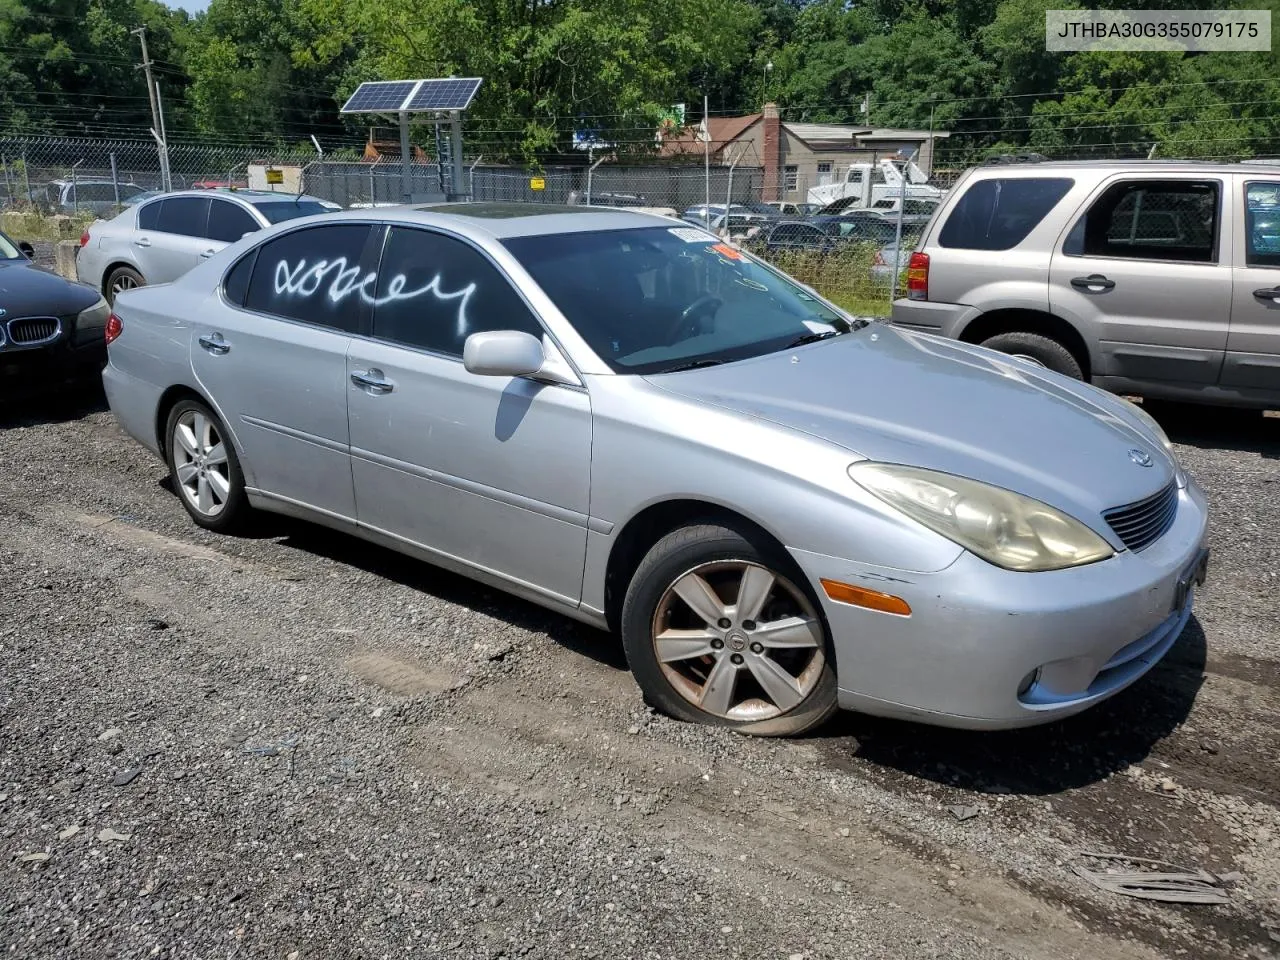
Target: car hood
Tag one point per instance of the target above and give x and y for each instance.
(899, 397)
(30, 291)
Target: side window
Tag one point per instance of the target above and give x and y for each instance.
(229, 222)
(1262, 224)
(185, 216)
(149, 215)
(313, 275)
(1150, 220)
(434, 291)
(998, 213)
(236, 283)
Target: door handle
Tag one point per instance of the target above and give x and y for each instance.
(208, 253)
(1268, 293)
(214, 343)
(373, 381)
(142, 242)
(1093, 283)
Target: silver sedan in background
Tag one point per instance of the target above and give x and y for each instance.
(780, 508)
(160, 239)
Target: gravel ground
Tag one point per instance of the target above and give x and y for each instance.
(296, 745)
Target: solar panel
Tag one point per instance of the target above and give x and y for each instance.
(455, 93)
(379, 96)
(392, 96)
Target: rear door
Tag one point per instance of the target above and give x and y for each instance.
(274, 360)
(1253, 343)
(1145, 271)
(172, 244)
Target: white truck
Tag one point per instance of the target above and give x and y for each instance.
(876, 186)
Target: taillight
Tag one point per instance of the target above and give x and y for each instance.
(84, 239)
(114, 328)
(918, 276)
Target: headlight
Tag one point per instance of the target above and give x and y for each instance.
(95, 315)
(1151, 424)
(1004, 528)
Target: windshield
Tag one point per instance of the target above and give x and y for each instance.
(277, 211)
(657, 299)
(9, 249)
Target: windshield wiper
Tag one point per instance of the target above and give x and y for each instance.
(813, 338)
(691, 365)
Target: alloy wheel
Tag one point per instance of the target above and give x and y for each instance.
(200, 463)
(122, 283)
(738, 640)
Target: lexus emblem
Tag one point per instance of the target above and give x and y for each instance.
(1140, 457)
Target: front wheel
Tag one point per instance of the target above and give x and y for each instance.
(206, 473)
(718, 630)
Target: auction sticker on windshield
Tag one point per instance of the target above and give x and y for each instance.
(692, 235)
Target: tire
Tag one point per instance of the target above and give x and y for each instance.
(1043, 350)
(121, 279)
(682, 682)
(203, 465)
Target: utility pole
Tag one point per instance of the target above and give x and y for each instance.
(157, 124)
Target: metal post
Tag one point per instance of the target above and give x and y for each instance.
(471, 178)
(406, 161)
(373, 187)
(706, 153)
(932, 104)
(166, 175)
(590, 171)
(26, 176)
(728, 194)
(8, 185)
(115, 177)
(75, 192)
(897, 242)
(455, 136)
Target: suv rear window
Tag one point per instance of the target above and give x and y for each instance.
(997, 213)
(1150, 220)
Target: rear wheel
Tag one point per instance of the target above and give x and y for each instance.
(202, 461)
(718, 629)
(122, 279)
(1039, 349)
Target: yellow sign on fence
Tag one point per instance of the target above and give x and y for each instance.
(537, 183)
(275, 176)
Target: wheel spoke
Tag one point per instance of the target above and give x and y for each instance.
(717, 692)
(753, 591)
(219, 485)
(682, 644)
(775, 681)
(216, 456)
(187, 472)
(789, 633)
(186, 439)
(697, 593)
(201, 431)
(204, 495)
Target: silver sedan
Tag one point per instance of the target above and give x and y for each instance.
(780, 508)
(162, 237)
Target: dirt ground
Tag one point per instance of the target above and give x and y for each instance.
(315, 748)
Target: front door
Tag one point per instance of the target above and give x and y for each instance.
(1253, 345)
(1147, 272)
(274, 360)
(491, 471)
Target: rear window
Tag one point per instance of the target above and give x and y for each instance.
(278, 211)
(997, 213)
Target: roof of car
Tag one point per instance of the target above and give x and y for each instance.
(523, 219)
(1117, 166)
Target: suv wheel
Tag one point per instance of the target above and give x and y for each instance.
(1037, 348)
(721, 630)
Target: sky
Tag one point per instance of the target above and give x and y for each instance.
(191, 6)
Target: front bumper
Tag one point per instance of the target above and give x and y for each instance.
(976, 633)
(75, 355)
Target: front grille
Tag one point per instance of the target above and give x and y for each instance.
(26, 331)
(1138, 525)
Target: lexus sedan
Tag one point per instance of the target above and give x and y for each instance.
(781, 509)
(51, 330)
(160, 239)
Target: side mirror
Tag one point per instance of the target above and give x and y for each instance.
(27, 250)
(502, 353)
